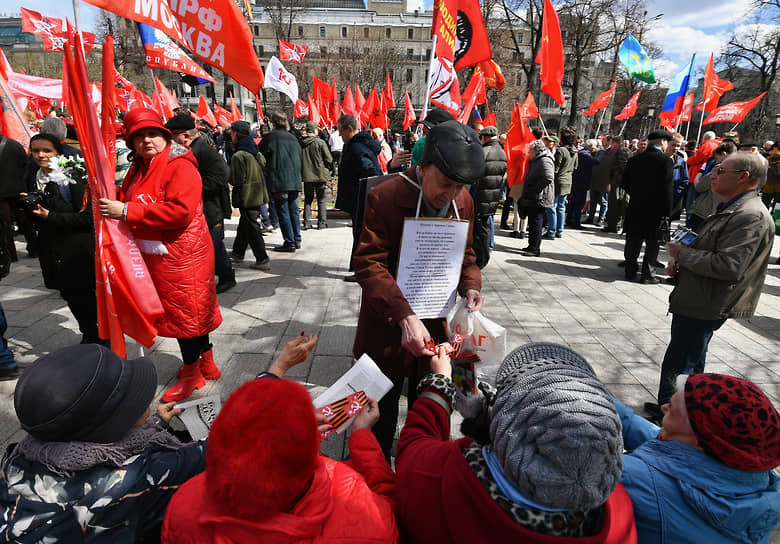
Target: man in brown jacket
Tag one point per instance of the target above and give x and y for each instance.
(388, 330)
(721, 273)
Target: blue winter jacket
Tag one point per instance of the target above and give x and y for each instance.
(681, 494)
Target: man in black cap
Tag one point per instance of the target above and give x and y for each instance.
(648, 180)
(388, 330)
(435, 116)
(214, 173)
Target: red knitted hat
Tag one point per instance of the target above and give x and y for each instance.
(734, 421)
(140, 118)
(262, 450)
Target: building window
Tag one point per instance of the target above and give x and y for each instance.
(410, 34)
(409, 75)
(365, 51)
(365, 32)
(427, 54)
(323, 52)
(519, 37)
(410, 54)
(322, 32)
(388, 33)
(260, 51)
(392, 73)
(256, 30)
(300, 31)
(343, 32)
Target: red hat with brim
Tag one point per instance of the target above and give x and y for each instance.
(142, 118)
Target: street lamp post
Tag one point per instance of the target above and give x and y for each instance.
(650, 114)
(777, 127)
(563, 110)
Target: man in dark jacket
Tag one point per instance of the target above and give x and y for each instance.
(487, 192)
(13, 157)
(586, 160)
(648, 180)
(283, 156)
(316, 162)
(358, 160)
(214, 174)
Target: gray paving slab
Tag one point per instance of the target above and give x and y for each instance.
(573, 294)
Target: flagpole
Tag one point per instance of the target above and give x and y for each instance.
(430, 75)
(623, 127)
(701, 120)
(544, 128)
(77, 17)
(735, 126)
(688, 127)
(598, 127)
(15, 107)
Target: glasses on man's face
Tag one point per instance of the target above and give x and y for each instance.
(720, 170)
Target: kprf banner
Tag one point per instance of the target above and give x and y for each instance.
(162, 52)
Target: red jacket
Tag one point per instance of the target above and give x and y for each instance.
(376, 265)
(170, 209)
(348, 502)
(441, 500)
(700, 158)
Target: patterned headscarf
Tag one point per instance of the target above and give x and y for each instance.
(734, 421)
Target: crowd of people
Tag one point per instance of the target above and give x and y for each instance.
(548, 454)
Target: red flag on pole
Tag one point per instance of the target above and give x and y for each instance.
(204, 112)
(314, 111)
(409, 115)
(223, 116)
(473, 95)
(334, 106)
(494, 78)
(348, 105)
(108, 120)
(55, 32)
(528, 110)
(301, 109)
(472, 47)
(12, 124)
(445, 20)
(444, 86)
(685, 113)
(291, 52)
(734, 112)
(629, 110)
(602, 101)
(550, 57)
(233, 108)
(373, 109)
(490, 120)
(714, 87)
(388, 100)
(517, 139)
(259, 108)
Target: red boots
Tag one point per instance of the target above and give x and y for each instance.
(190, 379)
(207, 365)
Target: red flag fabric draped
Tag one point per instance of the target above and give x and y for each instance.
(348, 105)
(445, 20)
(314, 111)
(388, 100)
(259, 108)
(234, 113)
(550, 57)
(528, 110)
(216, 32)
(734, 112)
(471, 47)
(301, 109)
(629, 110)
(322, 94)
(12, 123)
(409, 115)
(109, 123)
(292, 52)
(473, 95)
(169, 102)
(129, 299)
(373, 109)
(518, 136)
(334, 107)
(494, 78)
(204, 112)
(359, 99)
(490, 120)
(714, 87)
(602, 101)
(223, 116)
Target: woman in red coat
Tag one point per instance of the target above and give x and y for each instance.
(161, 202)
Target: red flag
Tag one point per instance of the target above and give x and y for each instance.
(550, 57)
(629, 110)
(685, 114)
(235, 114)
(139, 99)
(259, 108)
(12, 124)
(169, 100)
(291, 52)
(223, 116)
(334, 106)
(445, 20)
(314, 111)
(322, 94)
(108, 103)
(348, 105)
(387, 94)
(216, 32)
(528, 110)
(473, 95)
(373, 109)
(714, 87)
(204, 112)
(734, 112)
(5, 66)
(490, 120)
(301, 109)
(359, 99)
(494, 78)
(602, 101)
(472, 47)
(128, 301)
(518, 136)
(409, 115)
(55, 32)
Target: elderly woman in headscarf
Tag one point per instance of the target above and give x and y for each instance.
(543, 465)
(161, 201)
(706, 475)
(94, 466)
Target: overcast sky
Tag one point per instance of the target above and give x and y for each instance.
(687, 26)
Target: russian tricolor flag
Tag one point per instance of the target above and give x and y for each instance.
(677, 90)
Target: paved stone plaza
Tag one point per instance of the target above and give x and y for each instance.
(574, 294)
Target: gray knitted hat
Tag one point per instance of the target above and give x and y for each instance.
(555, 429)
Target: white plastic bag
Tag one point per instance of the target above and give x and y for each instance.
(481, 336)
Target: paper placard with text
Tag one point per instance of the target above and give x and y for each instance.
(429, 264)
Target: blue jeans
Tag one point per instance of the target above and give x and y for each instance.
(286, 203)
(686, 353)
(602, 199)
(6, 356)
(268, 216)
(556, 216)
(492, 233)
(222, 266)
